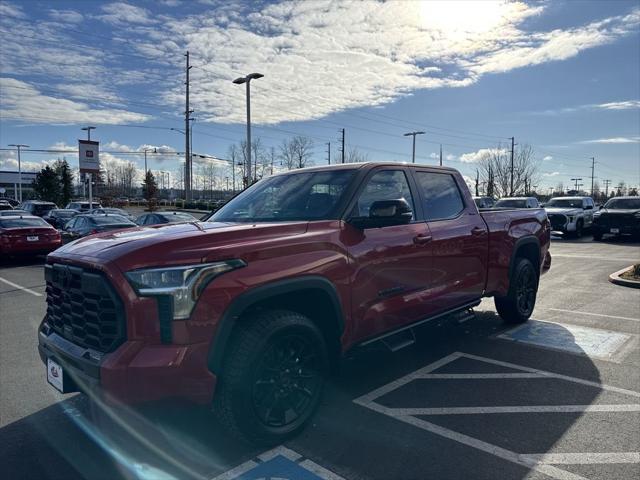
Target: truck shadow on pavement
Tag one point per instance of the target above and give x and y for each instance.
(416, 428)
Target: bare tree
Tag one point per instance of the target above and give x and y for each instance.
(296, 152)
(495, 169)
(356, 156)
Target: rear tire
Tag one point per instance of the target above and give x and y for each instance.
(517, 306)
(272, 378)
(597, 236)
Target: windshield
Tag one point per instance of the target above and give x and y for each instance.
(110, 220)
(114, 210)
(565, 203)
(511, 204)
(22, 222)
(13, 213)
(298, 196)
(623, 203)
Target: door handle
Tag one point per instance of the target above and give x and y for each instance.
(477, 231)
(422, 239)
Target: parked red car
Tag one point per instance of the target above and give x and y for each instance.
(250, 310)
(27, 235)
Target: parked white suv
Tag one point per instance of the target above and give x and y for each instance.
(570, 214)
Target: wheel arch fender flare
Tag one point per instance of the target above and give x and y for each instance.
(517, 247)
(247, 299)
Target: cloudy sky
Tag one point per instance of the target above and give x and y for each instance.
(562, 76)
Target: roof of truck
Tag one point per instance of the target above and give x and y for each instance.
(353, 166)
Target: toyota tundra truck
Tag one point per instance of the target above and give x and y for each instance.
(249, 311)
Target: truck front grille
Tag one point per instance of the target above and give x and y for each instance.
(557, 220)
(84, 308)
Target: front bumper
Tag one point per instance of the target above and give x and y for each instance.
(135, 372)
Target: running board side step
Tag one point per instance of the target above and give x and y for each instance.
(399, 340)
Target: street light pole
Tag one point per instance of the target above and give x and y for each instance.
(18, 147)
(247, 80)
(413, 134)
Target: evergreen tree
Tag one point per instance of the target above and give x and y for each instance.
(47, 185)
(65, 178)
(149, 187)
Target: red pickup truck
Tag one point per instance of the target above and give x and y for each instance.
(251, 309)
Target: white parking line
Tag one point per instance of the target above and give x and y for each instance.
(592, 314)
(20, 287)
(594, 257)
(585, 458)
(542, 463)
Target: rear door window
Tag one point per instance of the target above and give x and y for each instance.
(440, 195)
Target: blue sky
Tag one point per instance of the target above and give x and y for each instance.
(563, 77)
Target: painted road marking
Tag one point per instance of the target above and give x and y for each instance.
(591, 314)
(592, 342)
(20, 287)
(279, 463)
(541, 462)
(594, 257)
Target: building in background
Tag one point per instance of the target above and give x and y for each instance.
(9, 182)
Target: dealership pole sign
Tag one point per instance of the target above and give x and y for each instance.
(89, 156)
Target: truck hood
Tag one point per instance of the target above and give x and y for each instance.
(171, 244)
(564, 211)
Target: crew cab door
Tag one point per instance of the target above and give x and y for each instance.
(460, 240)
(390, 264)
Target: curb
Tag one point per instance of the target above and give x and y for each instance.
(618, 280)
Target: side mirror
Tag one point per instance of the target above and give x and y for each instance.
(385, 213)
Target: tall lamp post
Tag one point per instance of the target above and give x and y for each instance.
(18, 147)
(247, 80)
(413, 134)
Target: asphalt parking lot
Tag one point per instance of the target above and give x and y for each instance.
(472, 399)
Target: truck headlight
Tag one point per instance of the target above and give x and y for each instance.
(182, 284)
(597, 214)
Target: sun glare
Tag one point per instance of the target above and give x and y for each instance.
(473, 16)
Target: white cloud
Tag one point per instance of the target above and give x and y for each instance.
(26, 103)
(120, 13)
(547, 158)
(614, 140)
(68, 16)
(551, 174)
(619, 105)
(481, 154)
(171, 3)
(9, 10)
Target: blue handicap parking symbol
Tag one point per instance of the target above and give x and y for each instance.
(278, 468)
(280, 463)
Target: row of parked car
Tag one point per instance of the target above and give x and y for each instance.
(573, 215)
(40, 227)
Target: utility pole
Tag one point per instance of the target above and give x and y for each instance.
(593, 165)
(343, 145)
(440, 154)
(18, 147)
(606, 188)
(413, 151)
(187, 137)
(328, 153)
(576, 180)
(512, 152)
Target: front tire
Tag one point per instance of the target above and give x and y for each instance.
(517, 306)
(579, 229)
(597, 235)
(272, 378)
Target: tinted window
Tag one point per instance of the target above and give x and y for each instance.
(510, 203)
(385, 185)
(565, 203)
(295, 196)
(440, 194)
(623, 203)
(177, 217)
(17, 222)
